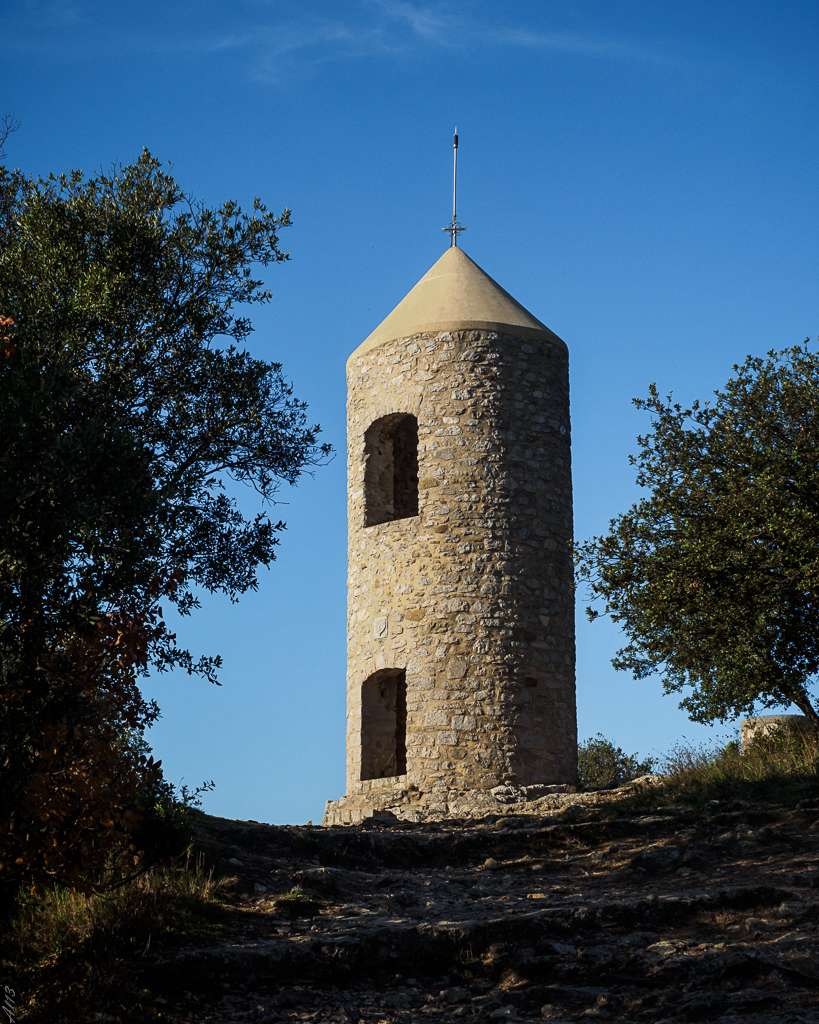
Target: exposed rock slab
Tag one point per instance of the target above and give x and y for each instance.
(589, 911)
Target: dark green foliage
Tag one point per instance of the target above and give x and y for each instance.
(714, 576)
(130, 415)
(602, 765)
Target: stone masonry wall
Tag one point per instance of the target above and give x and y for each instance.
(473, 596)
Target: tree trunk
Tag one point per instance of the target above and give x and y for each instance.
(803, 702)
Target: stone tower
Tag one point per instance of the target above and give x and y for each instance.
(460, 619)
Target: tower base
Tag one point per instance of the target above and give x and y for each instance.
(394, 798)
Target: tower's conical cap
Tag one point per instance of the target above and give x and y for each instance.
(455, 294)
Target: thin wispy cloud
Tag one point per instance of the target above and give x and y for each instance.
(277, 50)
(445, 28)
(581, 45)
(280, 51)
(404, 27)
(428, 23)
(282, 39)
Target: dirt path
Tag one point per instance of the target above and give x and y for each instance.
(596, 914)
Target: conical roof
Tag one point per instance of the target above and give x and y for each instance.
(455, 294)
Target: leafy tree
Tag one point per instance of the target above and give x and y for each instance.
(714, 575)
(131, 416)
(602, 765)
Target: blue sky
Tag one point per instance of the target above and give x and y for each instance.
(642, 176)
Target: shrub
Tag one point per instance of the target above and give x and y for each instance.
(602, 765)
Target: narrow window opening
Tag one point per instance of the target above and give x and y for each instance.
(384, 724)
(391, 469)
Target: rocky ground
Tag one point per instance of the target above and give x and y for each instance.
(657, 913)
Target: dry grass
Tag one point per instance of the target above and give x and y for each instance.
(69, 951)
(786, 760)
(163, 900)
(297, 903)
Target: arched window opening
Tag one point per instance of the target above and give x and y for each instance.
(384, 724)
(391, 469)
